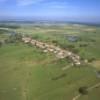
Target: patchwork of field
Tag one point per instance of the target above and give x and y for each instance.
(26, 73)
(87, 43)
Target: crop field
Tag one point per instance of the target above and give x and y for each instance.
(26, 73)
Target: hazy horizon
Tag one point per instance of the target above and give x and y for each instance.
(56, 10)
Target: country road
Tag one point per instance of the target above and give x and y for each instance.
(89, 89)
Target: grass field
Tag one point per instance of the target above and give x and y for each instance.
(26, 73)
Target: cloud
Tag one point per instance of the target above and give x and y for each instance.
(28, 2)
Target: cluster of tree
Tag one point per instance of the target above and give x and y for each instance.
(83, 45)
(66, 46)
(9, 26)
(91, 59)
(70, 47)
(36, 36)
(2, 31)
(55, 42)
(13, 38)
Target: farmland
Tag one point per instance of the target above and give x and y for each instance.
(26, 73)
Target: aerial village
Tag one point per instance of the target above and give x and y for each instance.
(59, 52)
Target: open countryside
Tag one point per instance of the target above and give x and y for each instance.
(49, 49)
(39, 65)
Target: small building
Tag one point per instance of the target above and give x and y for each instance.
(26, 39)
(45, 51)
(33, 42)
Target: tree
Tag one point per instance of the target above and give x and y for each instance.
(0, 43)
(75, 50)
(55, 42)
(91, 59)
(83, 90)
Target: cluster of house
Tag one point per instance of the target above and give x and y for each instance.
(59, 53)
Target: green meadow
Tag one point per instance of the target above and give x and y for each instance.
(26, 73)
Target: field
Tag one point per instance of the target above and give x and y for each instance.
(26, 73)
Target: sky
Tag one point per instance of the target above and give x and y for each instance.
(69, 10)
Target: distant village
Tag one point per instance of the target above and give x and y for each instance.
(59, 52)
